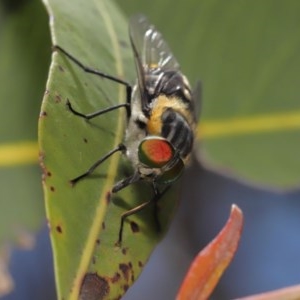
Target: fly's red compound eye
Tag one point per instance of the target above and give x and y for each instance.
(155, 152)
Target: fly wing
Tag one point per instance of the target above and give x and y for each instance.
(150, 51)
(151, 48)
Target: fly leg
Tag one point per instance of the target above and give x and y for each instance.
(127, 214)
(157, 196)
(121, 148)
(96, 113)
(100, 74)
(137, 209)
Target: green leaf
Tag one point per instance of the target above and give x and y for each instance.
(84, 219)
(24, 61)
(247, 57)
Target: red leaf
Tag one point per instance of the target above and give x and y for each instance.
(211, 262)
(288, 293)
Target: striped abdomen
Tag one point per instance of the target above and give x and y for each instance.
(176, 129)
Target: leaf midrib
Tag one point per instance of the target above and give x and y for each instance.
(112, 170)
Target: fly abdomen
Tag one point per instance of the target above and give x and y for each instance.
(177, 131)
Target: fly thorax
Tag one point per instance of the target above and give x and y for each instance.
(153, 78)
(136, 131)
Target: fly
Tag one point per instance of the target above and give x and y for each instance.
(161, 116)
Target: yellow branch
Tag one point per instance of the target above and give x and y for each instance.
(249, 125)
(20, 153)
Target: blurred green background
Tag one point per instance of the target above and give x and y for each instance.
(246, 54)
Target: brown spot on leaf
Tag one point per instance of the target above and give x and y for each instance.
(57, 98)
(94, 260)
(60, 68)
(103, 225)
(43, 114)
(93, 287)
(134, 227)
(58, 229)
(124, 251)
(85, 140)
(41, 157)
(140, 264)
(42, 164)
(52, 188)
(98, 241)
(116, 277)
(125, 270)
(125, 287)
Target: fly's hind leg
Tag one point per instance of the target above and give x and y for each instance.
(127, 214)
(157, 196)
(137, 209)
